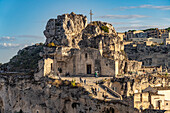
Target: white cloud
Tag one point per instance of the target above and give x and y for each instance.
(148, 6)
(123, 16)
(9, 45)
(26, 45)
(7, 38)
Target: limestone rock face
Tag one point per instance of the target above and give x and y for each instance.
(70, 31)
(96, 28)
(102, 36)
(65, 30)
(24, 94)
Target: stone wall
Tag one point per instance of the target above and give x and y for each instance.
(133, 66)
(77, 61)
(46, 67)
(148, 55)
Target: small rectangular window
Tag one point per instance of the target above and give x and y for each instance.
(86, 55)
(51, 66)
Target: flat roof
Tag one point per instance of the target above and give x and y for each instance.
(162, 88)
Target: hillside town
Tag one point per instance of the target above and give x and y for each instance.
(89, 68)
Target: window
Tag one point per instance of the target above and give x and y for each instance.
(86, 55)
(51, 66)
(141, 97)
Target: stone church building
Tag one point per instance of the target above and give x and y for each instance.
(82, 49)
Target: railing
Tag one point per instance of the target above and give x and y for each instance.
(111, 92)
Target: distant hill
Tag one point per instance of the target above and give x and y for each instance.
(26, 60)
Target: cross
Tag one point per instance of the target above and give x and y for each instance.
(91, 15)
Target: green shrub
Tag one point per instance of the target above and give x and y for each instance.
(105, 29)
(161, 43)
(41, 44)
(131, 30)
(149, 29)
(95, 23)
(153, 45)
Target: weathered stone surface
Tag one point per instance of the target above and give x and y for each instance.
(96, 28)
(75, 36)
(148, 55)
(66, 29)
(48, 96)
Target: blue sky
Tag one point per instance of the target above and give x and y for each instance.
(22, 21)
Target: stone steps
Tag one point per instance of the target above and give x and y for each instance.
(91, 82)
(111, 92)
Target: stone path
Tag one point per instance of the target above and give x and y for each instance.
(91, 83)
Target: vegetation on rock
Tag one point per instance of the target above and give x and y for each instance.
(26, 60)
(131, 30)
(149, 29)
(105, 29)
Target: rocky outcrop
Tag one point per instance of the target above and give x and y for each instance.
(96, 28)
(65, 30)
(23, 93)
(70, 31)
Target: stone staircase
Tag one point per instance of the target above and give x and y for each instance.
(111, 94)
(91, 83)
(99, 92)
(116, 95)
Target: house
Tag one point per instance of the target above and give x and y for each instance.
(150, 98)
